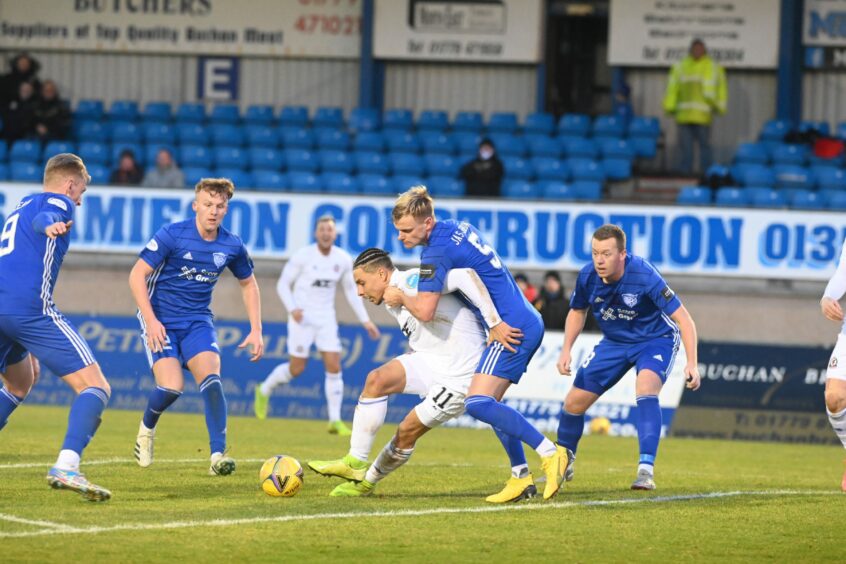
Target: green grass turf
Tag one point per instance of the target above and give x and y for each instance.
(452, 469)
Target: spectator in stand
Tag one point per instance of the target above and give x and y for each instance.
(19, 115)
(526, 287)
(623, 104)
(165, 174)
(483, 175)
(127, 173)
(551, 302)
(695, 90)
(52, 117)
(23, 69)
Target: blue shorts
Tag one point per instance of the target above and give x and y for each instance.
(610, 360)
(11, 354)
(51, 338)
(499, 362)
(184, 341)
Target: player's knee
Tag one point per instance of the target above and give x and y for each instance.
(575, 405)
(405, 438)
(375, 384)
(835, 400)
(19, 388)
(296, 369)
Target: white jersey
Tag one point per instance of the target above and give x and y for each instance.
(836, 287)
(315, 277)
(453, 341)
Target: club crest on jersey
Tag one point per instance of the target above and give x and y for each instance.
(411, 281)
(219, 259)
(630, 299)
(152, 245)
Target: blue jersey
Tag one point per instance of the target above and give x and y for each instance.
(634, 309)
(29, 260)
(186, 268)
(460, 245)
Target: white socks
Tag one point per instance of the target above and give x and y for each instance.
(68, 460)
(280, 375)
(334, 388)
(520, 471)
(368, 419)
(838, 423)
(546, 448)
(646, 468)
(388, 460)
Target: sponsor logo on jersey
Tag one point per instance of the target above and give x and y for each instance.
(598, 300)
(219, 259)
(658, 357)
(22, 204)
(58, 203)
(412, 280)
(833, 362)
(630, 299)
(152, 245)
(187, 256)
(667, 293)
(217, 348)
(322, 284)
(427, 271)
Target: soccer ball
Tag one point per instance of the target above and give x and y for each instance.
(600, 426)
(281, 476)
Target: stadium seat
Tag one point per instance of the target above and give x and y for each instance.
(297, 138)
(4, 151)
(581, 148)
(775, 130)
(261, 136)
(466, 141)
(834, 200)
(332, 139)
(272, 180)
(841, 130)
(751, 153)
(436, 143)
(364, 119)
(192, 133)
(829, 178)
(266, 158)
(576, 125)
(617, 169)
(732, 197)
(89, 110)
(789, 155)
(818, 125)
(545, 147)
(445, 186)
(753, 175)
(227, 135)
(374, 184)
(644, 127)
(157, 132)
(519, 190)
(157, 111)
(91, 131)
(301, 181)
(125, 132)
(26, 172)
(257, 114)
(433, 120)
(136, 148)
(792, 176)
(329, 117)
(644, 147)
(100, 174)
(123, 110)
(470, 122)
(503, 122)
(370, 162)
(339, 183)
(4, 171)
(805, 200)
(194, 174)
(91, 153)
(293, 116)
(517, 168)
(548, 168)
(539, 122)
(608, 126)
(442, 165)
(403, 182)
(225, 113)
(336, 161)
(588, 190)
(301, 160)
(402, 142)
(555, 190)
(54, 148)
(616, 149)
(190, 113)
(239, 177)
(400, 119)
(762, 197)
(230, 157)
(508, 145)
(369, 141)
(694, 196)
(586, 169)
(404, 164)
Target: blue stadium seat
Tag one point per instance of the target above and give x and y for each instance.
(336, 161)
(753, 175)
(259, 114)
(190, 112)
(792, 176)
(339, 183)
(54, 148)
(192, 133)
(732, 197)
(92, 152)
(293, 116)
(775, 130)
(301, 160)
(270, 180)
(4, 171)
(100, 174)
(261, 136)
(398, 119)
(586, 169)
(517, 168)
(841, 130)
(329, 117)
(405, 164)
(545, 147)
(364, 119)
(616, 149)
(194, 174)
(371, 162)
(694, 196)
(436, 143)
(833, 200)
(123, 110)
(375, 184)
(588, 190)
(433, 120)
(240, 178)
(402, 142)
(644, 127)
(520, 190)
(225, 113)
(4, 151)
(503, 122)
(301, 181)
(157, 111)
(818, 125)
(836, 161)
(508, 145)
(548, 168)
(332, 139)
(829, 178)
(606, 126)
(89, 110)
(470, 122)
(617, 169)
(266, 158)
(26, 172)
(402, 182)
(581, 148)
(126, 132)
(539, 122)
(442, 165)
(790, 155)
(158, 132)
(297, 138)
(556, 190)
(137, 152)
(576, 125)
(805, 200)
(227, 135)
(751, 153)
(445, 186)
(644, 147)
(763, 197)
(369, 141)
(230, 157)
(466, 141)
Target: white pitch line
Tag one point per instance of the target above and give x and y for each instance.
(406, 513)
(34, 522)
(118, 460)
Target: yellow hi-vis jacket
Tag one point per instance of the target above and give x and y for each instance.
(696, 90)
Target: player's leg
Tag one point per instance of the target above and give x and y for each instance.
(299, 340)
(17, 377)
(835, 393)
(333, 387)
(205, 367)
(571, 423)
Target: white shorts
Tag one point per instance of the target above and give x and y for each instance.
(837, 362)
(441, 400)
(302, 335)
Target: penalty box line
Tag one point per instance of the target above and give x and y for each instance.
(124, 460)
(59, 529)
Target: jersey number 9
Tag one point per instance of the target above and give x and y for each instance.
(486, 250)
(7, 236)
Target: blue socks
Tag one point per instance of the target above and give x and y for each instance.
(84, 418)
(513, 447)
(570, 429)
(504, 419)
(648, 428)
(8, 403)
(160, 399)
(215, 404)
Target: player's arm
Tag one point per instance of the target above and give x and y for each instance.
(572, 329)
(283, 287)
(834, 290)
(690, 340)
(357, 304)
(422, 305)
(156, 335)
(252, 302)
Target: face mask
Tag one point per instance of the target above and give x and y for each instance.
(486, 154)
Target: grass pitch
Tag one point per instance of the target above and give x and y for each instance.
(715, 500)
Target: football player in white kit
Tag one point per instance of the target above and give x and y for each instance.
(443, 358)
(314, 272)
(835, 379)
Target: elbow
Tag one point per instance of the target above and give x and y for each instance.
(426, 316)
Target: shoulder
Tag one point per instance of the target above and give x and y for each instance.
(585, 273)
(409, 278)
(59, 201)
(343, 255)
(229, 238)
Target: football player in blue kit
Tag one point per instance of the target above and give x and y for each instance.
(33, 244)
(448, 245)
(172, 284)
(642, 321)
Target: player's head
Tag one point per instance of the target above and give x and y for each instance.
(697, 49)
(325, 232)
(211, 202)
(372, 271)
(608, 247)
(66, 174)
(414, 216)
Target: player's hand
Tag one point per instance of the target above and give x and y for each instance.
(58, 229)
(564, 363)
(255, 342)
(506, 335)
(392, 296)
(372, 330)
(831, 309)
(297, 314)
(691, 373)
(156, 335)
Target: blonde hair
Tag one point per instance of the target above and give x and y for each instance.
(215, 187)
(65, 164)
(415, 202)
(324, 219)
